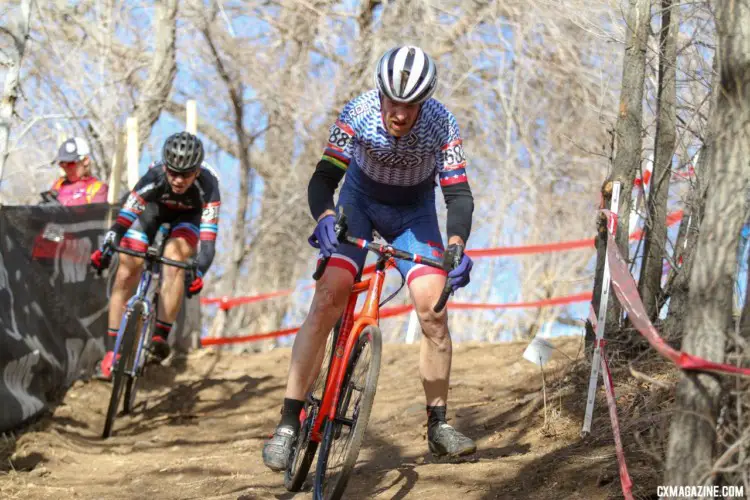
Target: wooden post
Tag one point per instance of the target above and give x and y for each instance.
(191, 118)
(133, 176)
(115, 176)
(191, 125)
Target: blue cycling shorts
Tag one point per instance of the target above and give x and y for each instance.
(411, 227)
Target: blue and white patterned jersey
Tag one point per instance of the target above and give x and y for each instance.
(390, 169)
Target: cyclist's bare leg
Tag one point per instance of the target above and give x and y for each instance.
(435, 356)
(436, 348)
(329, 301)
(173, 279)
(128, 274)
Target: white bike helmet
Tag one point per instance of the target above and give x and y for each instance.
(406, 74)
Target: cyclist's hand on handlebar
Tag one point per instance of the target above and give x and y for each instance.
(196, 285)
(101, 258)
(324, 236)
(459, 276)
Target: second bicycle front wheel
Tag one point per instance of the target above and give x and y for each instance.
(343, 436)
(131, 386)
(125, 353)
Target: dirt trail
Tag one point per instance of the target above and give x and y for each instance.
(202, 439)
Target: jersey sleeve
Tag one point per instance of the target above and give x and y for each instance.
(454, 183)
(341, 136)
(451, 160)
(209, 219)
(145, 190)
(211, 207)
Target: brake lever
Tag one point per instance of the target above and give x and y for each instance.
(451, 260)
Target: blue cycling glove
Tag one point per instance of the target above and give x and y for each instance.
(324, 236)
(459, 277)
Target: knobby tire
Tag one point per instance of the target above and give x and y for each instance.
(127, 348)
(304, 449)
(332, 488)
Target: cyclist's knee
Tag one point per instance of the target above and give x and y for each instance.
(331, 293)
(128, 271)
(171, 273)
(434, 325)
(179, 249)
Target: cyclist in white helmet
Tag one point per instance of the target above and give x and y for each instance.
(391, 143)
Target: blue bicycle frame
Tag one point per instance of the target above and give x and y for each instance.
(148, 289)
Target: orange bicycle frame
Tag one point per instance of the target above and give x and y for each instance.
(349, 333)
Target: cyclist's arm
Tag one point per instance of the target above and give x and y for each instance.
(145, 190)
(321, 188)
(209, 222)
(332, 166)
(455, 185)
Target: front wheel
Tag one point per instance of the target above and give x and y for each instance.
(343, 436)
(131, 385)
(126, 356)
(304, 449)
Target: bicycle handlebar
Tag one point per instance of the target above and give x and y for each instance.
(451, 258)
(153, 257)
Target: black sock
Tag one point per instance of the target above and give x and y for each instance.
(435, 417)
(290, 413)
(162, 329)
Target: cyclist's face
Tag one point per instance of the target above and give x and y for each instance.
(399, 118)
(180, 182)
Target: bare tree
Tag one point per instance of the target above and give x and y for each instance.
(155, 89)
(655, 238)
(13, 61)
(709, 320)
(628, 142)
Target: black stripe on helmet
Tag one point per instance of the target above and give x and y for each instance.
(406, 71)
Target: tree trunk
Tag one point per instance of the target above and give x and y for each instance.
(654, 250)
(709, 316)
(629, 123)
(272, 263)
(12, 83)
(235, 92)
(679, 281)
(628, 131)
(161, 73)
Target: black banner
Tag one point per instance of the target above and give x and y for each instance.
(53, 306)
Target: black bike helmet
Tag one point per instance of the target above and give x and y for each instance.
(182, 152)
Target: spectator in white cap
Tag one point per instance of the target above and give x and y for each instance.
(77, 186)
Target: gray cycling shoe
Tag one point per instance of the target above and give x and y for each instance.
(445, 440)
(276, 451)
